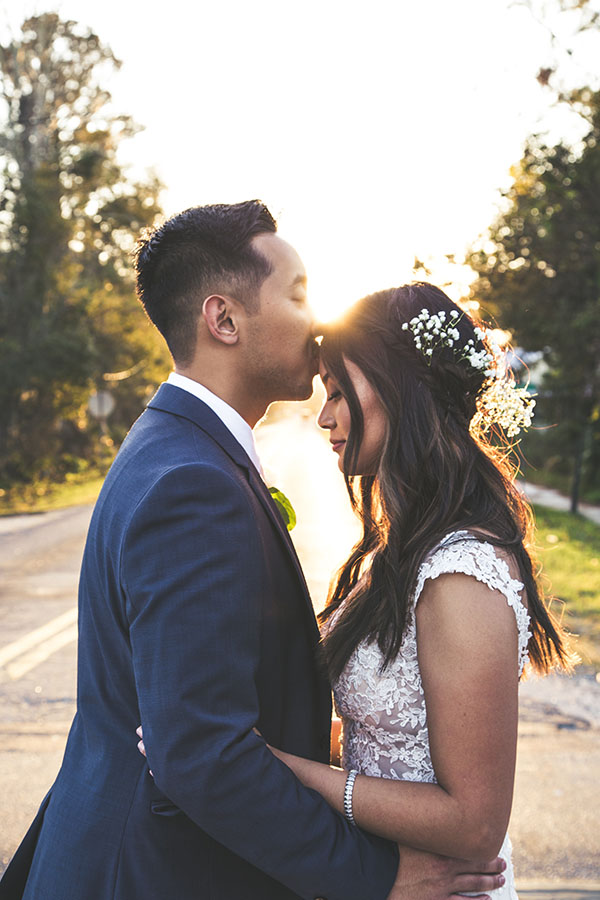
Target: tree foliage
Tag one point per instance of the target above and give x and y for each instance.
(69, 214)
(539, 272)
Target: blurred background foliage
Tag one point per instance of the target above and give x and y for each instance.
(69, 215)
(538, 274)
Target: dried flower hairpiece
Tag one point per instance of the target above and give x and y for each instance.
(500, 401)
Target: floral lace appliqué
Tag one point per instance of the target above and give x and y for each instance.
(383, 712)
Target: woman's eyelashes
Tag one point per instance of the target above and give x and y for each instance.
(334, 395)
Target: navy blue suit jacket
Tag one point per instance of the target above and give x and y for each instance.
(195, 620)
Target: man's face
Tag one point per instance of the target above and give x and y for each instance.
(280, 351)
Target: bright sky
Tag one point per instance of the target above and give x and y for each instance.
(375, 132)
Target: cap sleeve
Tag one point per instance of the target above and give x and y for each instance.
(463, 553)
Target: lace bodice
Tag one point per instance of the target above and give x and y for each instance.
(383, 713)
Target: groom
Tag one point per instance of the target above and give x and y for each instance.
(194, 619)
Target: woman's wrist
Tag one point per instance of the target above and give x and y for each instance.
(329, 781)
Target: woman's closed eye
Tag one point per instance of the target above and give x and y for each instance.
(334, 395)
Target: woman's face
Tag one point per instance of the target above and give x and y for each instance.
(335, 416)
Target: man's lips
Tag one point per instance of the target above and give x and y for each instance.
(336, 446)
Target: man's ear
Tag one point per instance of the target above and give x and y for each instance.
(221, 316)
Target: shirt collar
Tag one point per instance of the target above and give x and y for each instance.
(232, 420)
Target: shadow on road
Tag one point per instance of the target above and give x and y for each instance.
(560, 894)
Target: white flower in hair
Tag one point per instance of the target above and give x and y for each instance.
(500, 402)
(503, 403)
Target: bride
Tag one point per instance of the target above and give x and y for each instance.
(436, 612)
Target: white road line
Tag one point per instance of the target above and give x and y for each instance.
(33, 638)
(41, 653)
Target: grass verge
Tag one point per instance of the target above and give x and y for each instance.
(45, 497)
(569, 551)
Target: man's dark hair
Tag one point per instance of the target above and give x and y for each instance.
(203, 250)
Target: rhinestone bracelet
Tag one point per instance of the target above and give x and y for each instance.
(348, 791)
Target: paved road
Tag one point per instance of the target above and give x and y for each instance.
(39, 566)
(549, 497)
(556, 819)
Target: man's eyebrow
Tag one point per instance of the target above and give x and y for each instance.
(299, 279)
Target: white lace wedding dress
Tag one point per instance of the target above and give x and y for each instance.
(383, 714)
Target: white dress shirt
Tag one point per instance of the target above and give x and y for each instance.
(231, 419)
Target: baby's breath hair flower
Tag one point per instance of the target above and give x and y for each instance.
(500, 401)
(431, 330)
(504, 404)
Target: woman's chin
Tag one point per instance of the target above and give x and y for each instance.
(343, 470)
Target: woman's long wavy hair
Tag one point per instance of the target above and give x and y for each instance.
(436, 474)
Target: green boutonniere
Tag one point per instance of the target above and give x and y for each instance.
(284, 506)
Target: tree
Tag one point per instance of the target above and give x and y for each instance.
(539, 272)
(68, 217)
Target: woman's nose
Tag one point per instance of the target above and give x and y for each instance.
(325, 420)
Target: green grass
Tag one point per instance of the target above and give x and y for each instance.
(569, 551)
(45, 497)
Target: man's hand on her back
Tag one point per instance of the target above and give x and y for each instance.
(425, 876)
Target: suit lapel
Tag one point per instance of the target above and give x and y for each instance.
(263, 494)
(175, 400)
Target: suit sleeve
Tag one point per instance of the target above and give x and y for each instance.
(193, 591)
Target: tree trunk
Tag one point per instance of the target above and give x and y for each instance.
(576, 483)
(581, 443)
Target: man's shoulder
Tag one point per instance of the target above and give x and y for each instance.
(161, 438)
(162, 449)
